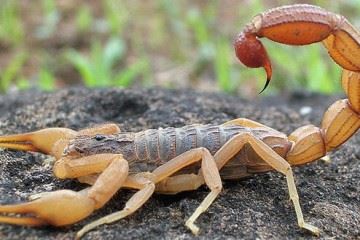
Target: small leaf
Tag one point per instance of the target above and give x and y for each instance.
(83, 66)
(9, 73)
(46, 80)
(127, 76)
(22, 84)
(222, 66)
(113, 52)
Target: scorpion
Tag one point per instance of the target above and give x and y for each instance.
(173, 160)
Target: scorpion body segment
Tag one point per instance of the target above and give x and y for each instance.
(149, 149)
(172, 160)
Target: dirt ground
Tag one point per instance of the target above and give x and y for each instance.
(254, 208)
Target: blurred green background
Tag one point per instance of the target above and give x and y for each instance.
(51, 44)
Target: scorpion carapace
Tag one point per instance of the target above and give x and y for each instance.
(160, 160)
(299, 24)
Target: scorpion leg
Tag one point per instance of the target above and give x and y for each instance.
(146, 183)
(65, 207)
(245, 123)
(235, 144)
(88, 179)
(170, 185)
(209, 172)
(180, 183)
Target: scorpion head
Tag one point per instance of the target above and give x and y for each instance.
(84, 145)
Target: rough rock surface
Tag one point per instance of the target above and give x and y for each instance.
(254, 208)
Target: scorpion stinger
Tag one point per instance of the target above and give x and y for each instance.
(252, 53)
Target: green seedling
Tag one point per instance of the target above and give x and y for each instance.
(98, 70)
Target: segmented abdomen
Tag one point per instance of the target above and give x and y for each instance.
(160, 145)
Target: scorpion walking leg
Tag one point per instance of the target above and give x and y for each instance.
(89, 179)
(170, 185)
(210, 174)
(146, 183)
(180, 183)
(234, 145)
(245, 123)
(146, 186)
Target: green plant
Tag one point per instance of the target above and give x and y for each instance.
(307, 67)
(11, 27)
(214, 52)
(12, 71)
(125, 77)
(199, 25)
(84, 18)
(97, 70)
(116, 15)
(175, 28)
(223, 67)
(51, 19)
(22, 83)
(46, 80)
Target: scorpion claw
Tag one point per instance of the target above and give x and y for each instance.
(28, 221)
(49, 141)
(56, 208)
